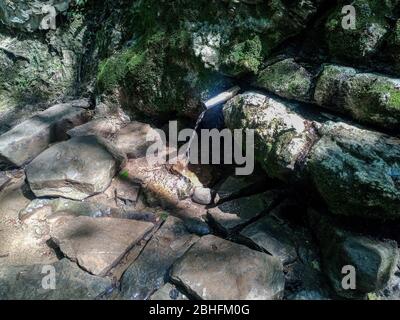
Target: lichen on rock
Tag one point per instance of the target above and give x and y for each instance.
(287, 79)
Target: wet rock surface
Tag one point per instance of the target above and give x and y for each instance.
(367, 97)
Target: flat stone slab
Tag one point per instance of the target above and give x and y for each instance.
(101, 127)
(65, 206)
(71, 282)
(147, 274)
(217, 269)
(135, 138)
(97, 244)
(25, 141)
(74, 169)
(168, 292)
(232, 214)
(271, 236)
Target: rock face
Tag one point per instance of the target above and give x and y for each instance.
(374, 261)
(66, 207)
(341, 159)
(40, 67)
(97, 244)
(367, 97)
(28, 139)
(74, 169)
(71, 283)
(230, 215)
(220, 39)
(148, 273)
(218, 269)
(31, 15)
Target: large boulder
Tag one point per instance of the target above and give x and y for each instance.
(25, 141)
(97, 244)
(216, 269)
(364, 41)
(283, 132)
(344, 161)
(374, 261)
(75, 169)
(369, 98)
(356, 171)
(287, 79)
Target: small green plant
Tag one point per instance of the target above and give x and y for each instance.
(124, 174)
(164, 216)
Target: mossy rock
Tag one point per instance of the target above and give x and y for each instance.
(374, 99)
(243, 58)
(287, 79)
(371, 27)
(328, 91)
(356, 171)
(374, 261)
(368, 98)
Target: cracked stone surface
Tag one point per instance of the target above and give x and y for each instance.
(97, 244)
(147, 274)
